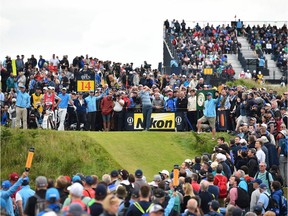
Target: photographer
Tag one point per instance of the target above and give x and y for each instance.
(118, 112)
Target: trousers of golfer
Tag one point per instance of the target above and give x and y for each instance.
(62, 107)
(146, 107)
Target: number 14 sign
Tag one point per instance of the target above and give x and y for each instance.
(85, 85)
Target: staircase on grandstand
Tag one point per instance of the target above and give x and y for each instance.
(275, 72)
(248, 53)
(233, 60)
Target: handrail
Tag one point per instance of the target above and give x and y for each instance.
(168, 48)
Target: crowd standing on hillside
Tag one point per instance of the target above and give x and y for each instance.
(244, 176)
(41, 97)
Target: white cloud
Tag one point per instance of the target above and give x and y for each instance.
(125, 31)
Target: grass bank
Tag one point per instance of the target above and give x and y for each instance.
(66, 153)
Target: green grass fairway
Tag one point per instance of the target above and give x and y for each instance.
(97, 153)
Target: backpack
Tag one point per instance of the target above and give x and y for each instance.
(283, 205)
(272, 205)
(230, 164)
(285, 147)
(243, 200)
(250, 188)
(40, 204)
(222, 187)
(139, 207)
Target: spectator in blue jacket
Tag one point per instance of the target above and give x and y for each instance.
(22, 103)
(91, 108)
(170, 103)
(23, 195)
(277, 194)
(7, 191)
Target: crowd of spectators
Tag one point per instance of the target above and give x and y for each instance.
(269, 40)
(105, 107)
(239, 177)
(202, 47)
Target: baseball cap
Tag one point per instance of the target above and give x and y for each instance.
(135, 193)
(264, 125)
(45, 88)
(156, 208)
(68, 179)
(89, 180)
(244, 148)
(157, 178)
(257, 209)
(52, 195)
(75, 209)
(188, 161)
(26, 180)
(124, 174)
(13, 176)
(6, 184)
(283, 132)
(91, 91)
(101, 190)
(159, 193)
(138, 173)
(65, 89)
(214, 205)
(221, 156)
(263, 186)
(258, 181)
(114, 173)
(164, 172)
(50, 87)
(76, 178)
(209, 94)
(21, 85)
(76, 189)
(264, 139)
(41, 181)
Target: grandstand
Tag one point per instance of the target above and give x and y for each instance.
(241, 43)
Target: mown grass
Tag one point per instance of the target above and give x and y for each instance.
(66, 153)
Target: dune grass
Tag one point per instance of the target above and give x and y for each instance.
(67, 153)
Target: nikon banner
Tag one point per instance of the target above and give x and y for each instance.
(201, 97)
(159, 121)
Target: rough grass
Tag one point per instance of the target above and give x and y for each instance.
(251, 83)
(66, 153)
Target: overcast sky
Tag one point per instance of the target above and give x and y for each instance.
(124, 31)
